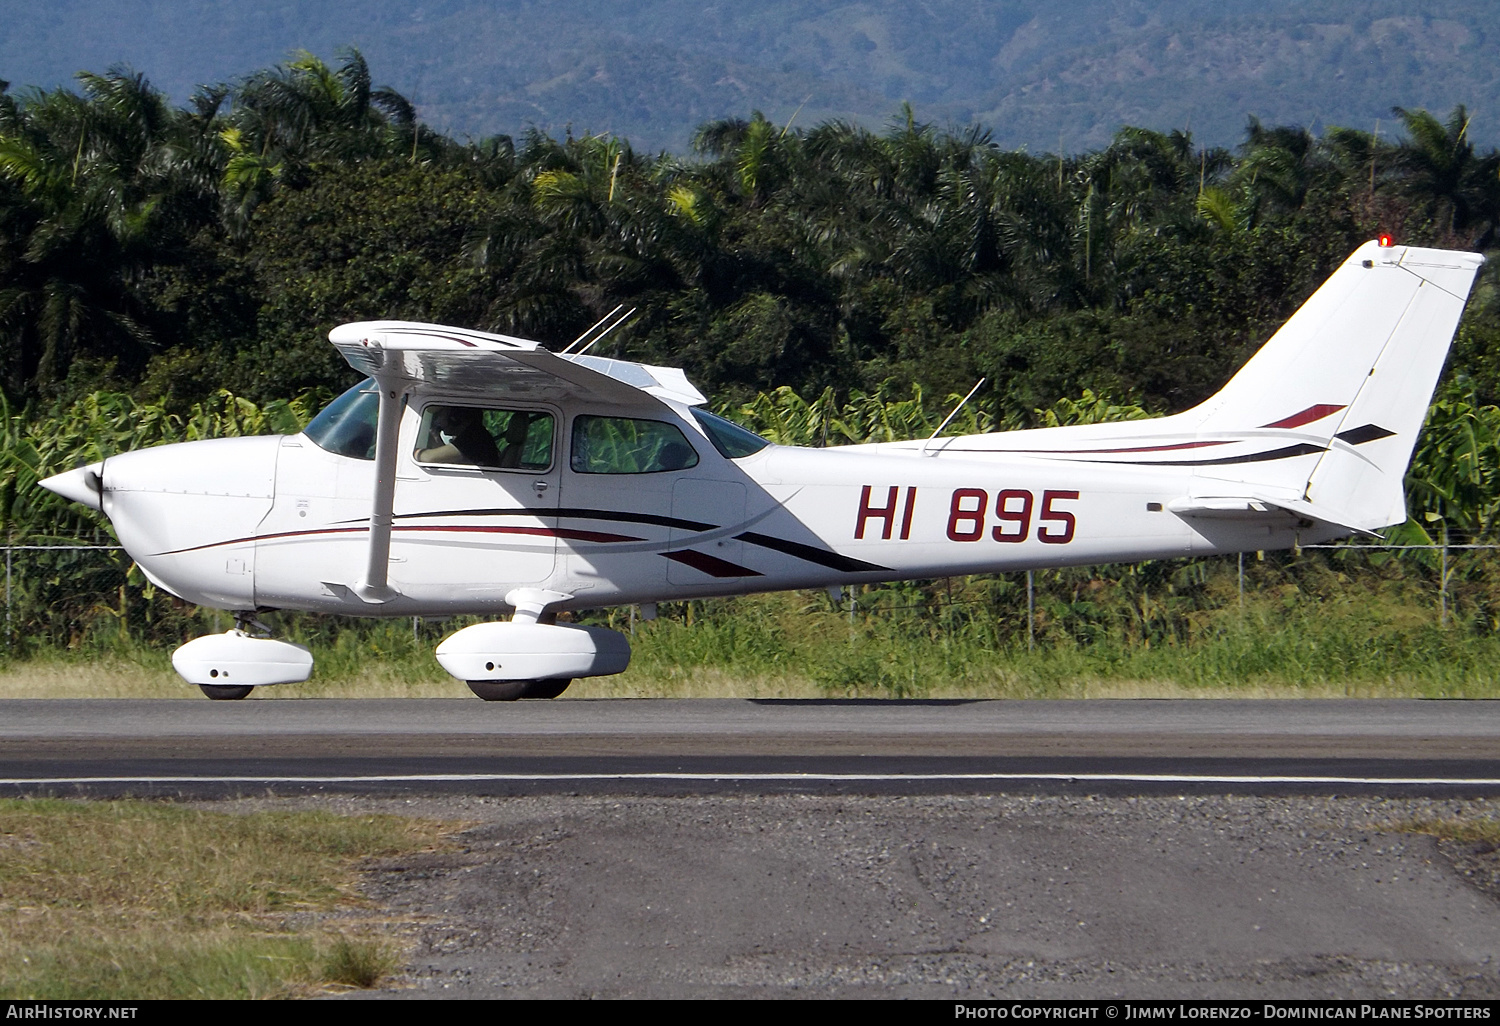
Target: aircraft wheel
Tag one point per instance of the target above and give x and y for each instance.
(499, 690)
(546, 688)
(226, 692)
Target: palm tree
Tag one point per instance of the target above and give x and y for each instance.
(287, 118)
(1440, 169)
(100, 187)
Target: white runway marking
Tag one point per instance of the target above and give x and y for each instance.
(768, 778)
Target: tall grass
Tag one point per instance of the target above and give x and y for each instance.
(1324, 623)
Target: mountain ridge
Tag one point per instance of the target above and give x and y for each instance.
(1038, 75)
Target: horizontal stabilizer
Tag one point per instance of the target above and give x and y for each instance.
(1259, 509)
(1225, 508)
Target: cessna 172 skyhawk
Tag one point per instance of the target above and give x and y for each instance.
(474, 473)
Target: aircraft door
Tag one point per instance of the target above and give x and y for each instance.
(716, 505)
(622, 471)
(476, 502)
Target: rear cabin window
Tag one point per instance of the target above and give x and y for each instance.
(623, 445)
(347, 425)
(472, 436)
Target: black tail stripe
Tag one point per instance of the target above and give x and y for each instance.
(1364, 433)
(711, 565)
(1301, 449)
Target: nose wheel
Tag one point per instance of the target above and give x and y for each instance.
(229, 666)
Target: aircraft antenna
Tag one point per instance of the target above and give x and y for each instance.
(619, 321)
(977, 386)
(592, 328)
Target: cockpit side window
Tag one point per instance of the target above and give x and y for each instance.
(624, 445)
(347, 425)
(472, 436)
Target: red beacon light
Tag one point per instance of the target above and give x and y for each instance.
(1386, 242)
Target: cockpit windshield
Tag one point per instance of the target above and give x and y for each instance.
(732, 441)
(347, 425)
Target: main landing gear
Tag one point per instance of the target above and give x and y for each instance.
(229, 666)
(226, 692)
(510, 690)
(503, 662)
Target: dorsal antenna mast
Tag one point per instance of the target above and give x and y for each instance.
(977, 386)
(592, 328)
(618, 321)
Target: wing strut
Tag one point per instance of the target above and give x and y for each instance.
(376, 588)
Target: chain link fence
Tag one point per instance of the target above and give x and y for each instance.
(63, 596)
(69, 596)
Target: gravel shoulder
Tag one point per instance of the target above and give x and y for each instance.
(940, 897)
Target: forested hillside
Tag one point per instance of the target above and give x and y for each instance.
(653, 70)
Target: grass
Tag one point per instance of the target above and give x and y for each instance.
(1480, 831)
(358, 963)
(1315, 629)
(145, 900)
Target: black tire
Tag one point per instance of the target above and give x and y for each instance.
(499, 690)
(226, 692)
(547, 688)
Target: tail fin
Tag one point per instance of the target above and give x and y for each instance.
(1352, 372)
(1323, 419)
(1320, 422)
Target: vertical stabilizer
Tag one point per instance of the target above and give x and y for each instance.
(1350, 376)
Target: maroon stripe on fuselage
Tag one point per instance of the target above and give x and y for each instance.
(1307, 416)
(566, 533)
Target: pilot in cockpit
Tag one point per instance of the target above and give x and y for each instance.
(458, 435)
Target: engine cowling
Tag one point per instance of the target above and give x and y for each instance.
(533, 651)
(236, 658)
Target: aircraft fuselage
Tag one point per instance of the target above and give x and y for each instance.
(281, 522)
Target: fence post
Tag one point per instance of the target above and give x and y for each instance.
(9, 633)
(1242, 581)
(1030, 612)
(1443, 583)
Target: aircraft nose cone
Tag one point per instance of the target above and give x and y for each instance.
(83, 485)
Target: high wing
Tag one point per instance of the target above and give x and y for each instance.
(464, 362)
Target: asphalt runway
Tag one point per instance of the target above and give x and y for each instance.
(218, 749)
(936, 849)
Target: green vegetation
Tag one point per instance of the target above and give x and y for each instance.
(168, 252)
(1322, 624)
(172, 273)
(261, 904)
(1483, 832)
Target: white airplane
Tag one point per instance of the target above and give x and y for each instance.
(474, 473)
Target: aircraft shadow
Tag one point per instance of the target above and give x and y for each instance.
(866, 701)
